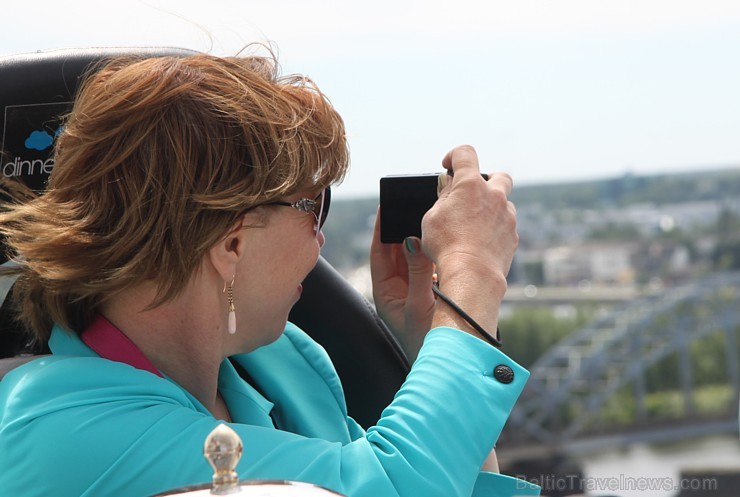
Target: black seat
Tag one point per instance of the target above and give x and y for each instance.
(37, 89)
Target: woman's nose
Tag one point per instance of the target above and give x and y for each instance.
(321, 238)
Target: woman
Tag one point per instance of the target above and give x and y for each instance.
(183, 213)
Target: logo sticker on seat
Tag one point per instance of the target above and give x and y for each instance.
(29, 133)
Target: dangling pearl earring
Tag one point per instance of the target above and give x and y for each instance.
(232, 313)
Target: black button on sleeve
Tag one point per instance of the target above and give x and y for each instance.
(503, 373)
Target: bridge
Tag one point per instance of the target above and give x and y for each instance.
(557, 414)
(555, 295)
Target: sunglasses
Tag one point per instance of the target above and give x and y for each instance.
(318, 206)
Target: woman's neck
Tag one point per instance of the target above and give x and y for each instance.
(183, 339)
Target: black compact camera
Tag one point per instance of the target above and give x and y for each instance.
(403, 202)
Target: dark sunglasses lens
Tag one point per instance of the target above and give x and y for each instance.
(324, 207)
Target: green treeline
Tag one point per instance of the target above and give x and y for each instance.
(630, 189)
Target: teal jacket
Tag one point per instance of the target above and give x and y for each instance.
(75, 424)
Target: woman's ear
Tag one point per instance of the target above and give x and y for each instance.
(227, 252)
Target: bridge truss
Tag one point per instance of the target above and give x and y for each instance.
(572, 382)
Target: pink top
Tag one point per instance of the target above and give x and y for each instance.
(110, 343)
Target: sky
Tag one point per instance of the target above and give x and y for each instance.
(547, 90)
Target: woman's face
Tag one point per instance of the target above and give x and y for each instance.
(278, 256)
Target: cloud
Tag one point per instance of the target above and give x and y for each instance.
(39, 140)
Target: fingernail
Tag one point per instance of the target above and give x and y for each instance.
(412, 245)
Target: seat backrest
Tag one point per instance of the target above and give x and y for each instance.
(37, 89)
(10, 363)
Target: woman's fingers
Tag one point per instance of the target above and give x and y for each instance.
(501, 181)
(462, 161)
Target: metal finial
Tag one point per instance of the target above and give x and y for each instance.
(223, 449)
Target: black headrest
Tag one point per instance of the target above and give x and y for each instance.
(36, 90)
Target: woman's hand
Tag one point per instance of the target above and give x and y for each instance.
(472, 220)
(402, 289)
(470, 234)
(491, 463)
(469, 237)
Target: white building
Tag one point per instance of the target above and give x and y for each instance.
(596, 263)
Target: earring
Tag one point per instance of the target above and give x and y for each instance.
(232, 313)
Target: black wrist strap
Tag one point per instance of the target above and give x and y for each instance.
(495, 341)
